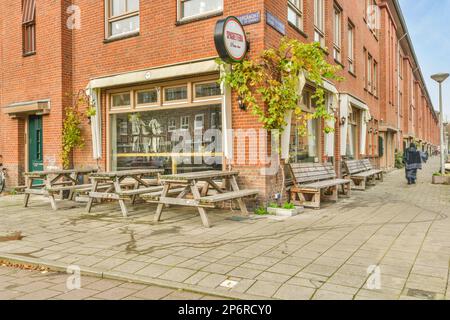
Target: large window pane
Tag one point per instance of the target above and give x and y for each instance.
(191, 8)
(125, 25)
(133, 5)
(118, 7)
(167, 139)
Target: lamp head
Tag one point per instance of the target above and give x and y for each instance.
(440, 77)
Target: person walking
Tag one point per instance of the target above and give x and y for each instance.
(413, 161)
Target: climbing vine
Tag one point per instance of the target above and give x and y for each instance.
(72, 127)
(269, 84)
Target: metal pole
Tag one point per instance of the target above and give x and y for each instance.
(441, 126)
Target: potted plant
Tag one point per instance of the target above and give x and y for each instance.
(286, 210)
(438, 178)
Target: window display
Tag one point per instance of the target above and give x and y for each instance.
(156, 139)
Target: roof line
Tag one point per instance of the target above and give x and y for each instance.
(411, 46)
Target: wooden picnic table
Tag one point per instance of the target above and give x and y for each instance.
(201, 200)
(108, 185)
(51, 182)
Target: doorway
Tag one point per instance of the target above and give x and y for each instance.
(35, 147)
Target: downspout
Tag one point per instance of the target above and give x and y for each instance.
(399, 140)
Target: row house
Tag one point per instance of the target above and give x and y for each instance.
(150, 69)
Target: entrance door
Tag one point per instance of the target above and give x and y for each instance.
(35, 158)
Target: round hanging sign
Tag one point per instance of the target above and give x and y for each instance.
(230, 39)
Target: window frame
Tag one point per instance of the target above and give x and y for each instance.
(298, 11)
(319, 22)
(145, 105)
(351, 46)
(201, 99)
(337, 34)
(122, 107)
(110, 19)
(28, 28)
(172, 102)
(180, 17)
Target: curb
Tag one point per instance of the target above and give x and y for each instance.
(122, 276)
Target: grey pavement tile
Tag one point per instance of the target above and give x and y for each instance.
(153, 293)
(77, 294)
(116, 293)
(322, 294)
(263, 288)
(153, 270)
(291, 292)
(177, 274)
(43, 294)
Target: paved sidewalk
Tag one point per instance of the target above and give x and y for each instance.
(324, 254)
(19, 284)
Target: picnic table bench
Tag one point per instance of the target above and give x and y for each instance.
(52, 182)
(362, 173)
(108, 185)
(312, 181)
(191, 190)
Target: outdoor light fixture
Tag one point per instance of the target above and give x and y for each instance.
(241, 104)
(343, 119)
(370, 130)
(439, 78)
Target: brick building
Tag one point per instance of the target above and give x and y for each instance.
(150, 69)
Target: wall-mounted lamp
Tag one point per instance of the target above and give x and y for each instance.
(241, 104)
(343, 120)
(370, 130)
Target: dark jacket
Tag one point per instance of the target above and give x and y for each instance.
(412, 159)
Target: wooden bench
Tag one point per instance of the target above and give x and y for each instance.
(377, 172)
(361, 173)
(312, 182)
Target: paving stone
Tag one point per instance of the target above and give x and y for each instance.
(177, 274)
(116, 293)
(263, 288)
(290, 292)
(153, 293)
(331, 295)
(153, 270)
(43, 294)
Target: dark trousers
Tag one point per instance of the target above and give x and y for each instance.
(411, 175)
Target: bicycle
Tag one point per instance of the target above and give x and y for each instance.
(2, 177)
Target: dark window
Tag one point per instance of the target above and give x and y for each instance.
(29, 26)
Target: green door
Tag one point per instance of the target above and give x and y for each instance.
(35, 162)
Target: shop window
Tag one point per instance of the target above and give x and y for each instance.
(150, 139)
(175, 94)
(188, 9)
(207, 90)
(122, 17)
(147, 97)
(121, 100)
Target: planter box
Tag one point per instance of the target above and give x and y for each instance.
(441, 180)
(285, 212)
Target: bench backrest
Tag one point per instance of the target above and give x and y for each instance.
(355, 166)
(367, 164)
(311, 172)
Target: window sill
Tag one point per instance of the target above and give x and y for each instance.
(339, 63)
(199, 18)
(298, 30)
(122, 37)
(28, 54)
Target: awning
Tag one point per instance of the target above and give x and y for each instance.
(39, 107)
(155, 74)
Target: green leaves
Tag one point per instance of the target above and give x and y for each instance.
(269, 84)
(72, 134)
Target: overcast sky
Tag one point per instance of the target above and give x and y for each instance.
(429, 27)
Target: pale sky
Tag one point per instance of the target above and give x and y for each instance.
(429, 27)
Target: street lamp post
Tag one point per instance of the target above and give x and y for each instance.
(439, 78)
